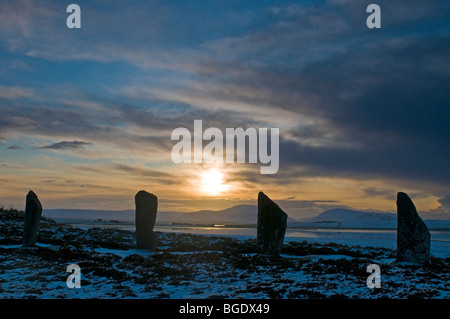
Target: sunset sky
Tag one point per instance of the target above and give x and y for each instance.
(87, 114)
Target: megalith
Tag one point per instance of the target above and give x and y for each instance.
(146, 209)
(413, 237)
(33, 212)
(271, 226)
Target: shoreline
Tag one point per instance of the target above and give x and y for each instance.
(94, 223)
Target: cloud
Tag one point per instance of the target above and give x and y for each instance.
(15, 92)
(142, 172)
(368, 105)
(14, 147)
(376, 192)
(350, 102)
(442, 211)
(143, 34)
(445, 202)
(109, 125)
(64, 145)
(132, 172)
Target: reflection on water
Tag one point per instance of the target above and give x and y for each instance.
(294, 233)
(229, 231)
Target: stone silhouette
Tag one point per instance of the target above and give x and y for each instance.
(146, 209)
(33, 212)
(271, 226)
(413, 237)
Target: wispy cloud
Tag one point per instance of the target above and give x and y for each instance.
(64, 145)
(15, 92)
(14, 147)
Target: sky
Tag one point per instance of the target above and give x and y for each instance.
(87, 114)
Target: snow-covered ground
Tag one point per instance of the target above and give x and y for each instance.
(202, 266)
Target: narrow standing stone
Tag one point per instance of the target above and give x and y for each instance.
(146, 209)
(271, 226)
(33, 211)
(413, 237)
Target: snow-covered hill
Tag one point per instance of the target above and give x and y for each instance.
(346, 218)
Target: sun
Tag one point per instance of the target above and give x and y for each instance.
(212, 182)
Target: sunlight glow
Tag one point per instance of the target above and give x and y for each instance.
(212, 182)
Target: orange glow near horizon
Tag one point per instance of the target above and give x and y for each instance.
(192, 188)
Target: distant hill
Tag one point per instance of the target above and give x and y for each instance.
(242, 215)
(126, 216)
(236, 215)
(346, 218)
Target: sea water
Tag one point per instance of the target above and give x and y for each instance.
(387, 238)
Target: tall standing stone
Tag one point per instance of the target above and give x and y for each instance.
(33, 212)
(271, 226)
(413, 237)
(146, 208)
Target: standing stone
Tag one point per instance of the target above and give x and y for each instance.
(413, 237)
(33, 211)
(146, 208)
(271, 226)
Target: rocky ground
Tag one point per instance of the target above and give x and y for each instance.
(199, 266)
